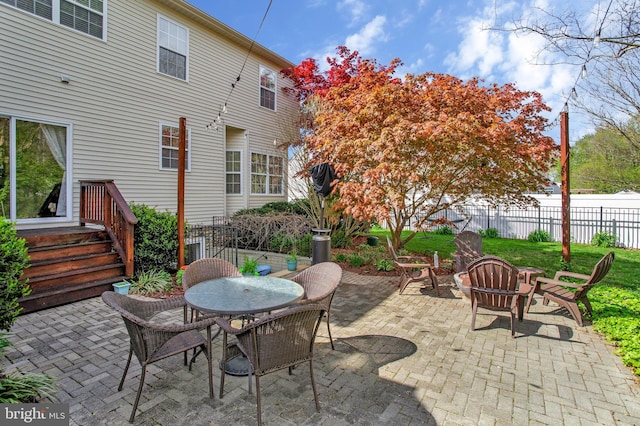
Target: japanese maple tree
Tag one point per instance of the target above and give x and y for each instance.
(407, 149)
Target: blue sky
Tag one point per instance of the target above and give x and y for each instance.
(427, 35)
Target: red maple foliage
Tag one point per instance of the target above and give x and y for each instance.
(407, 149)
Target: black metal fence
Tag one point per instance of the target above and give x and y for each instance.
(221, 239)
(585, 222)
(218, 240)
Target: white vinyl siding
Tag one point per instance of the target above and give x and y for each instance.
(267, 174)
(267, 88)
(173, 48)
(116, 101)
(234, 172)
(169, 146)
(86, 16)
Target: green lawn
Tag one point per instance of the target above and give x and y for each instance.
(615, 302)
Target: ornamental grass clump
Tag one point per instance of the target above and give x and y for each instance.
(18, 387)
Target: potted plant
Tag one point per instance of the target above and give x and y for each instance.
(250, 267)
(292, 261)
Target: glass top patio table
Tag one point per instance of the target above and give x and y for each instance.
(243, 295)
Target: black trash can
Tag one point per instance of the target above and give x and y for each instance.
(321, 248)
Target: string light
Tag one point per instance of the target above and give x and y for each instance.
(573, 94)
(223, 109)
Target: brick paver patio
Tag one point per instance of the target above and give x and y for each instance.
(401, 360)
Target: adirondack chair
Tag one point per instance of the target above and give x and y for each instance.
(556, 290)
(413, 269)
(468, 248)
(494, 286)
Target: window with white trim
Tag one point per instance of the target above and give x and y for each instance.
(169, 147)
(86, 16)
(233, 172)
(267, 174)
(267, 88)
(173, 48)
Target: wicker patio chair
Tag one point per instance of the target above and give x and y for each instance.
(468, 248)
(494, 286)
(206, 269)
(151, 341)
(412, 269)
(320, 282)
(556, 290)
(274, 342)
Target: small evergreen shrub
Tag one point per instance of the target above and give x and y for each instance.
(603, 239)
(443, 230)
(281, 243)
(489, 233)
(13, 260)
(355, 260)
(155, 239)
(539, 236)
(340, 239)
(340, 257)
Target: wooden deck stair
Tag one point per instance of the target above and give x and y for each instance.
(68, 264)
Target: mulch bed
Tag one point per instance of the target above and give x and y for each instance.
(360, 270)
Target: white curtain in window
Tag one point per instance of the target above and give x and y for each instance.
(56, 137)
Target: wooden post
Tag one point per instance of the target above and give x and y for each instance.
(566, 189)
(182, 144)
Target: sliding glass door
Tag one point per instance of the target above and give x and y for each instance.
(33, 170)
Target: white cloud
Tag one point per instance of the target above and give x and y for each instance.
(479, 49)
(364, 40)
(355, 8)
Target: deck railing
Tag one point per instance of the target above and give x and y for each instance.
(101, 203)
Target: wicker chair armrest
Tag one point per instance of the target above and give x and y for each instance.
(552, 281)
(561, 274)
(225, 324)
(178, 328)
(146, 309)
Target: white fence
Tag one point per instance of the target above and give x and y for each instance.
(586, 219)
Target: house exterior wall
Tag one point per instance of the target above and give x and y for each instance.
(116, 100)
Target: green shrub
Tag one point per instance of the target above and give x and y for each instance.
(340, 257)
(443, 230)
(179, 276)
(274, 207)
(385, 265)
(539, 236)
(355, 260)
(155, 239)
(13, 261)
(150, 282)
(281, 243)
(603, 239)
(304, 245)
(489, 233)
(340, 239)
(17, 387)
